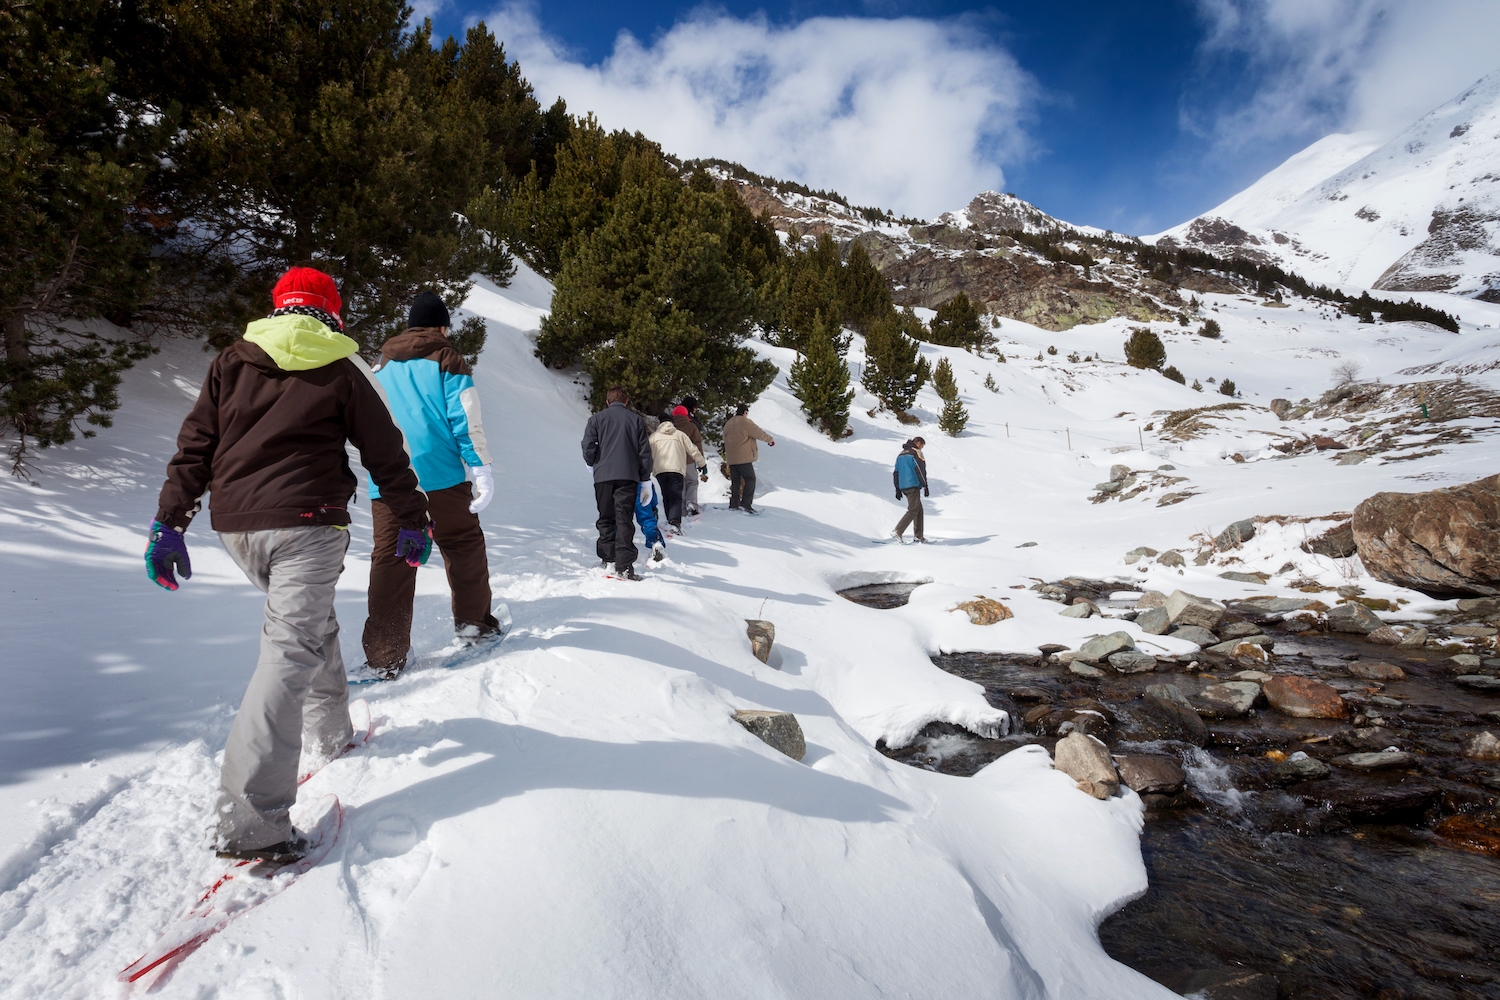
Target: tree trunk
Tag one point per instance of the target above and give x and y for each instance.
(16, 349)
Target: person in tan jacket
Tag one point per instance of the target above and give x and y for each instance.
(740, 452)
(671, 451)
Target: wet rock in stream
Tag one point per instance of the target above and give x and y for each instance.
(1277, 855)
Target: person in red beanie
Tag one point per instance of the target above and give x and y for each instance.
(686, 422)
(268, 434)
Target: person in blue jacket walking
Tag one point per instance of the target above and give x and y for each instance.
(430, 390)
(910, 478)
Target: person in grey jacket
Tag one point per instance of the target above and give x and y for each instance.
(617, 448)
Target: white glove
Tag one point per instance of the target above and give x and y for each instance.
(484, 487)
(648, 490)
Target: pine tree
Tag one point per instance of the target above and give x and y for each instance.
(863, 291)
(1227, 387)
(954, 418)
(1172, 373)
(943, 381)
(989, 383)
(654, 301)
(820, 379)
(1210, 329)
(895, 371)
(957, 324)
(1144, 349)
(75, 162)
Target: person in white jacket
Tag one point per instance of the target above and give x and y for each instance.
(671, 452)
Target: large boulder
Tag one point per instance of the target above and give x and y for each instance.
(1153, 621)
(1102, 646)
(1087, 761)
(1228, 700)
(1185, 609)
(1444, 542)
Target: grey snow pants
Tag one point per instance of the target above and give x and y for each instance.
(913, 515)
(690, 489)
(299, 691)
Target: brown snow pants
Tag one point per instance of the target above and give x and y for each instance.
(393, 583)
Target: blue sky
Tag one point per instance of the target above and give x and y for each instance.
(1130, 116)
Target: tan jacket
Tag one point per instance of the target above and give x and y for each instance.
(671, 449)
(740, 435)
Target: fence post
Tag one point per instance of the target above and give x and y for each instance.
(1069, 431)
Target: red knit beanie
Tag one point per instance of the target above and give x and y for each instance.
(681, 411)
(307, 286)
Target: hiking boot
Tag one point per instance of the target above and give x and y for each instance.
(627, 574)
(658, 552)
(922, 539)
(897, 536)
(751, 510)
(478, 631)
(285, 853)
(390, 671)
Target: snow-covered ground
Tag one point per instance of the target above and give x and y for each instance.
(577, 814)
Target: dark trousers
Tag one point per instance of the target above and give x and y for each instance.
(671, 496)
(393, 583)
(615, 499)
(913, 515)
(742, 485)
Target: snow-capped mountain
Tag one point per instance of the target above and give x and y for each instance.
(1417, 212)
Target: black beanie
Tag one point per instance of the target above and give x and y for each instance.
(428, 310)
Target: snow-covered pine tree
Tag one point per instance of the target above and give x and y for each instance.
(895, 370)
(820, 379)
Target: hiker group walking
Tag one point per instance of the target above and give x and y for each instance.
(266, 440)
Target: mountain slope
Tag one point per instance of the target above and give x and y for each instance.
(1419, 212)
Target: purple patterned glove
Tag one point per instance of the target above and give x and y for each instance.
(167, 551)
(414, 546)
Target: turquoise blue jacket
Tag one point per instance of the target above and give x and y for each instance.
(430, 390)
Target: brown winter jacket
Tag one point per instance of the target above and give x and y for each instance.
(268, 443)
(692, 430)
(740, 435)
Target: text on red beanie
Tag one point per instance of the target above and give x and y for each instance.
(307, 286)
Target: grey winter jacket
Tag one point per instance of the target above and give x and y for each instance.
(616, 446)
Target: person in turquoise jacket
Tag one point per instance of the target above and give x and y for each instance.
(910, 480)
(430, 390)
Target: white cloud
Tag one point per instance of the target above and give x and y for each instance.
(909, 114)
(1342, 65)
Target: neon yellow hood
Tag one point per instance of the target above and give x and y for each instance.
(299, 343)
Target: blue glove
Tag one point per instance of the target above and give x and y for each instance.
(167, 551)
(414, 546)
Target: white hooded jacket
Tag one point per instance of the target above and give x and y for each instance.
(671, 449)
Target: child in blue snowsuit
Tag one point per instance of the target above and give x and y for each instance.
(645, 513)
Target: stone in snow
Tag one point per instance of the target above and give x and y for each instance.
(1101, 646)
(1235, 535)
(1151, 774)
(762, 635)
(1151, 599)
(1304, 698)
(1087, 761)
(778, 730)
(1238, 577)
(1134, 555)
(1353, 618)
(1376, 670)
(1229, 700)
(1186, 609)
(1080, 610)
(1153, 621)
(1171, 557)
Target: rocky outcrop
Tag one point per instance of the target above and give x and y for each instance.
(1444, 543)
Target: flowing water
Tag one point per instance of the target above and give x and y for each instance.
(1354, 885)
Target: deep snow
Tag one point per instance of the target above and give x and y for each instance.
(576, 814)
